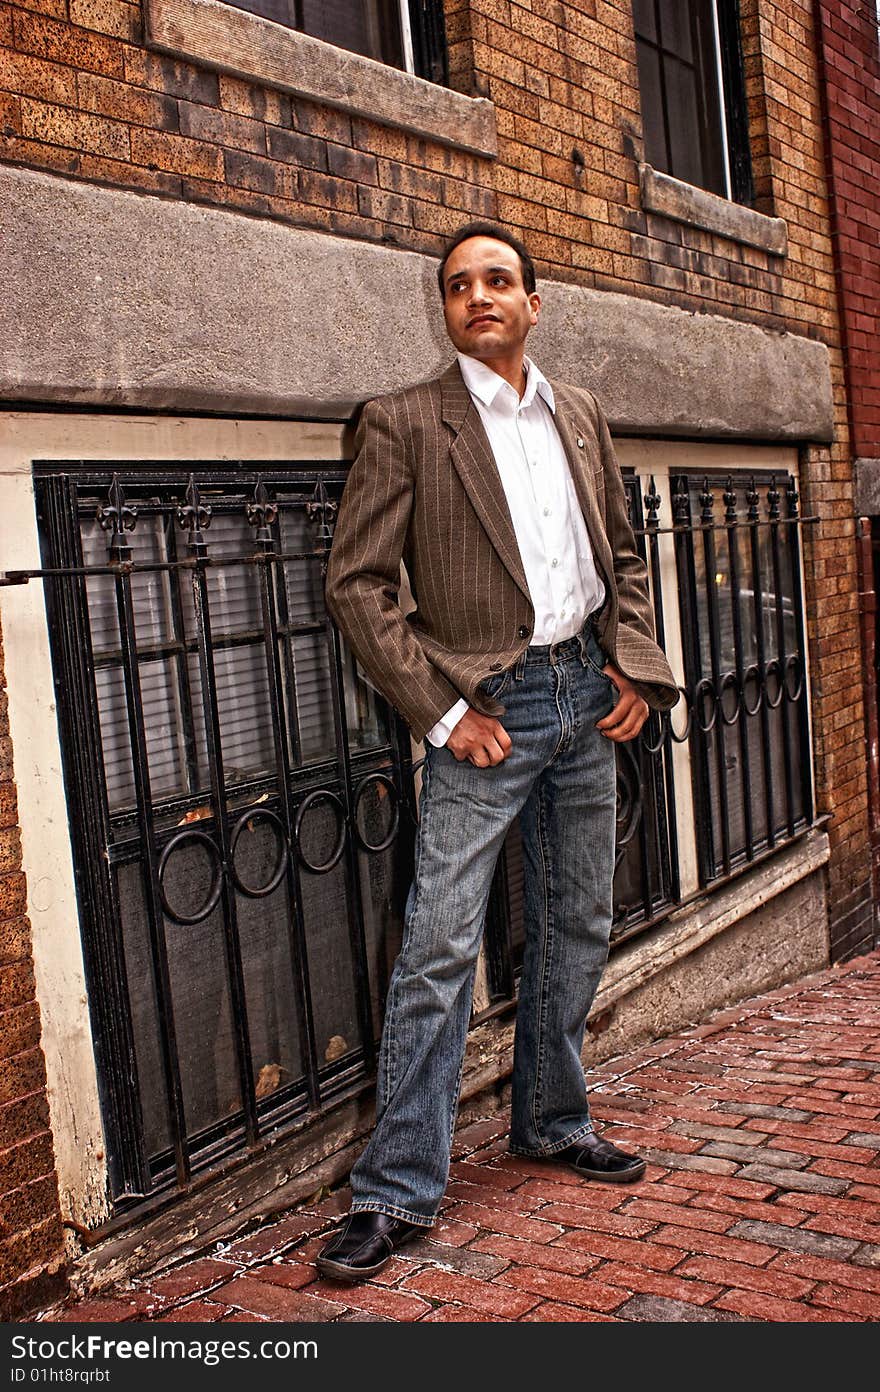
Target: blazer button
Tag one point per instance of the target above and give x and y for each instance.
(523, 631)
(495, 667)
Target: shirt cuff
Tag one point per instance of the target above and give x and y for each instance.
(439, 733)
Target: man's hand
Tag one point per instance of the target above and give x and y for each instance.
(630, 712)
(480, 739)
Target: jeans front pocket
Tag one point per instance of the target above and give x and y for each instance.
(495, 685)
(596, 659)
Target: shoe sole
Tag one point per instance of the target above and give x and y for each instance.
(628, 1176)
(338, 1271)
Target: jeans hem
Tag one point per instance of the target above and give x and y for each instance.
(417, 1219)
(556, 1146)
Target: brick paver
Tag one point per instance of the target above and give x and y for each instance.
(761, 1200)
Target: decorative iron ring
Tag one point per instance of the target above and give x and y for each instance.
(774, 667)
(663, 722)
(395, 820)
(336, 854)
(686, 732)
(210, 904)
(730, 682)
(752, 671)
(705, 688)
(259, 814)
(793, 663)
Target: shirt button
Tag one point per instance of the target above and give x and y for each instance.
(554, 562)
(546, 512)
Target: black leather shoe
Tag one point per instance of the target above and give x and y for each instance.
(594, 1158)
(362, 1246)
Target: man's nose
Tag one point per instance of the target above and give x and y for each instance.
(479, 294)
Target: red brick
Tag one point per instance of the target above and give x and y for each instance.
(388, 1304)
(590, 1293)
(569, 1216)
(858, 1304)
(683, 1217)
(643, 1253)
(825, 1269)
(196, 1312)
(715, 1244)
(637, 1281)
(730, 1273)
(552, 1313)
(190, 1279)
(277, 1302)
(758, 1306)
(737, 1208)
(292, 1274)
(554, 1258)
(496, 1220)
(460, 1314)
(478, 1295)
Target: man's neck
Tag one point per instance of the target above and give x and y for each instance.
(513, 370)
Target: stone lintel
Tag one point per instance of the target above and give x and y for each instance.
(123, 300)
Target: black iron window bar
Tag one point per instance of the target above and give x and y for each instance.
(745, 701)
(214, 818)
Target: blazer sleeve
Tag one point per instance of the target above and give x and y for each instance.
(363, 574)
(639, 655)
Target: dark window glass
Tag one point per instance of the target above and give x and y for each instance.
(689, 113)
(371, 27)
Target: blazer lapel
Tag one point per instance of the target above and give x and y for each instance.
(579, 442)
(472, 456)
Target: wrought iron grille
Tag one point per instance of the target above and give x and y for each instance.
(241, 808)
(742, 622)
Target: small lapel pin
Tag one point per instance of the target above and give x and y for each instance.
(580, 442)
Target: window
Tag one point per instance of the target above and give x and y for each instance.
(406, 34)
(693, 94)
(240, 806)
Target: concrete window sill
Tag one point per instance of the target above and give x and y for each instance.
(672, 198)
(217, 35)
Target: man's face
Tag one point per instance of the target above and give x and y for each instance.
(487, 310)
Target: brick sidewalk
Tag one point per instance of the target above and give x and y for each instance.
(761, 1200)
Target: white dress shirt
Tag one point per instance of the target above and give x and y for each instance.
(553, 541)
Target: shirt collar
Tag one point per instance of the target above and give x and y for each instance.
(485, 384)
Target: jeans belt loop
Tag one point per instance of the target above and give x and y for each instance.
(520, 669)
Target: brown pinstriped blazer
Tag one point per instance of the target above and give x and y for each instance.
(424, 487)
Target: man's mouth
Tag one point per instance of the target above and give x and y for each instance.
(483, 319)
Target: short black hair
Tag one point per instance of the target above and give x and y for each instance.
(500, 234)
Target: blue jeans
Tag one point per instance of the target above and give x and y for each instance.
(560, 778)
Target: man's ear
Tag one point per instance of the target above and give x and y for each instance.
(535, 302)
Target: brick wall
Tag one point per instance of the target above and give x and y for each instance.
(850, 53)
(31, 1265)
(81, 95)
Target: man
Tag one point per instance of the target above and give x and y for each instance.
(502, 495)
